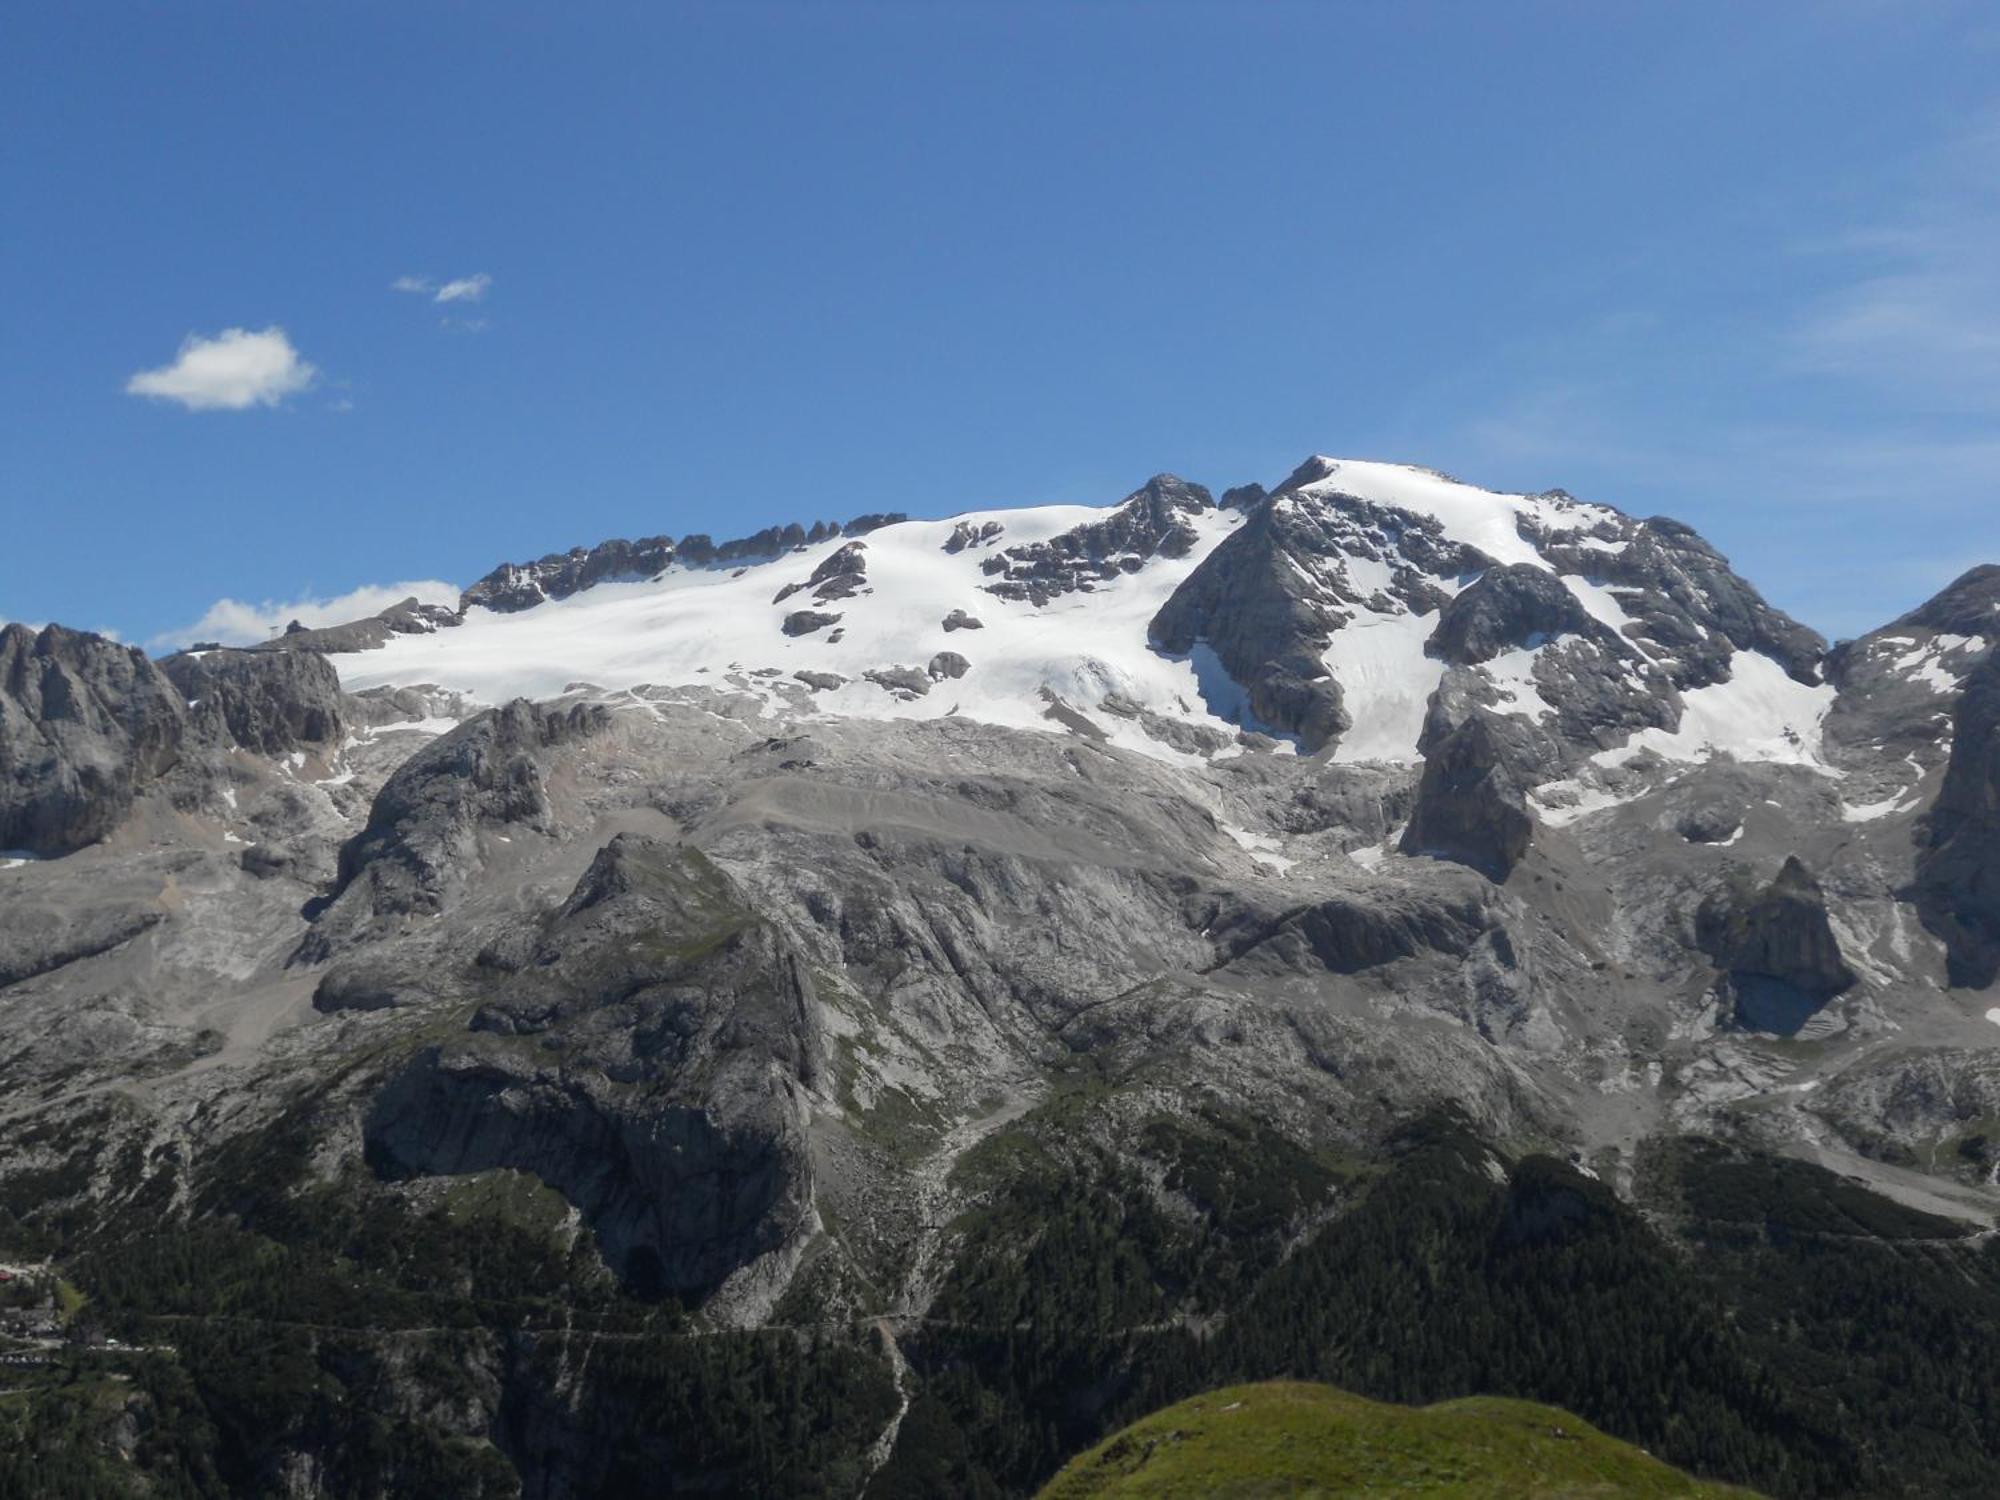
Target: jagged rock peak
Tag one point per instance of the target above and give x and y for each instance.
(1152, 521)
(515, 586)
(1968, 605)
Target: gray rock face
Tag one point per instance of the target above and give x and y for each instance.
(272, 702)
(517, 586)
(1968, 605)
(840, 575)
(420, 844)
(1777, 948)
(85, 725)
(958, 619)
(1247, 604)
(1690, 607)
(1957, 886)
(820, 682)
(38, 938)
(947, 664)
(649, 1062)
(1150, 522)
(1506, 607)
(1470, 808)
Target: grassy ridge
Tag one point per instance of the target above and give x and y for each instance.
(1294, 1439)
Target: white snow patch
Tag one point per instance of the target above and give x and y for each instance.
(1759, 714)
(1993, 1015)
(1369, 857)
(1260, 844)
(1571, 800)
(1926, 663)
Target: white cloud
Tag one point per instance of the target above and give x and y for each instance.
(465, 289)
(236, 623)
(233, 371)
(471, 288)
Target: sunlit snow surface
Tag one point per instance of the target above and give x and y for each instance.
(713, 626)
(720, 627)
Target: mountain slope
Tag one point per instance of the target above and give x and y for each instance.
(1287, 1439)
(727, 1017)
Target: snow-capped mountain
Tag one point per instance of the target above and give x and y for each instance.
(760, 913)
(1339, 611)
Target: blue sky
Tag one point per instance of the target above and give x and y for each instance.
(718, 266)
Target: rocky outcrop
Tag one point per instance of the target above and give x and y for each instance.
(1957, 886)
(518, 586)
(902, 682)
(39, 938)
(958, 619)
(1350, 933)
(947, 664)
(968, 534)
(272, 702)
(1505, 608)
(85, 725)
(806, 621)
(406, 617)
(421, 841)
(1470, 807)
(1776, 948)
(1152, 521)
(648, 1059)
(840, 575)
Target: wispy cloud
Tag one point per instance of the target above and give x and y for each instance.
(465, 289)
(233, 371)
(1919, 308)
(233, 622)
(471, 288)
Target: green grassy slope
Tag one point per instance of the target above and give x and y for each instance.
(1291, 1439)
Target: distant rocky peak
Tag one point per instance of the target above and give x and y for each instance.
(517, 586)
(1967, 606)
(1152, 521)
